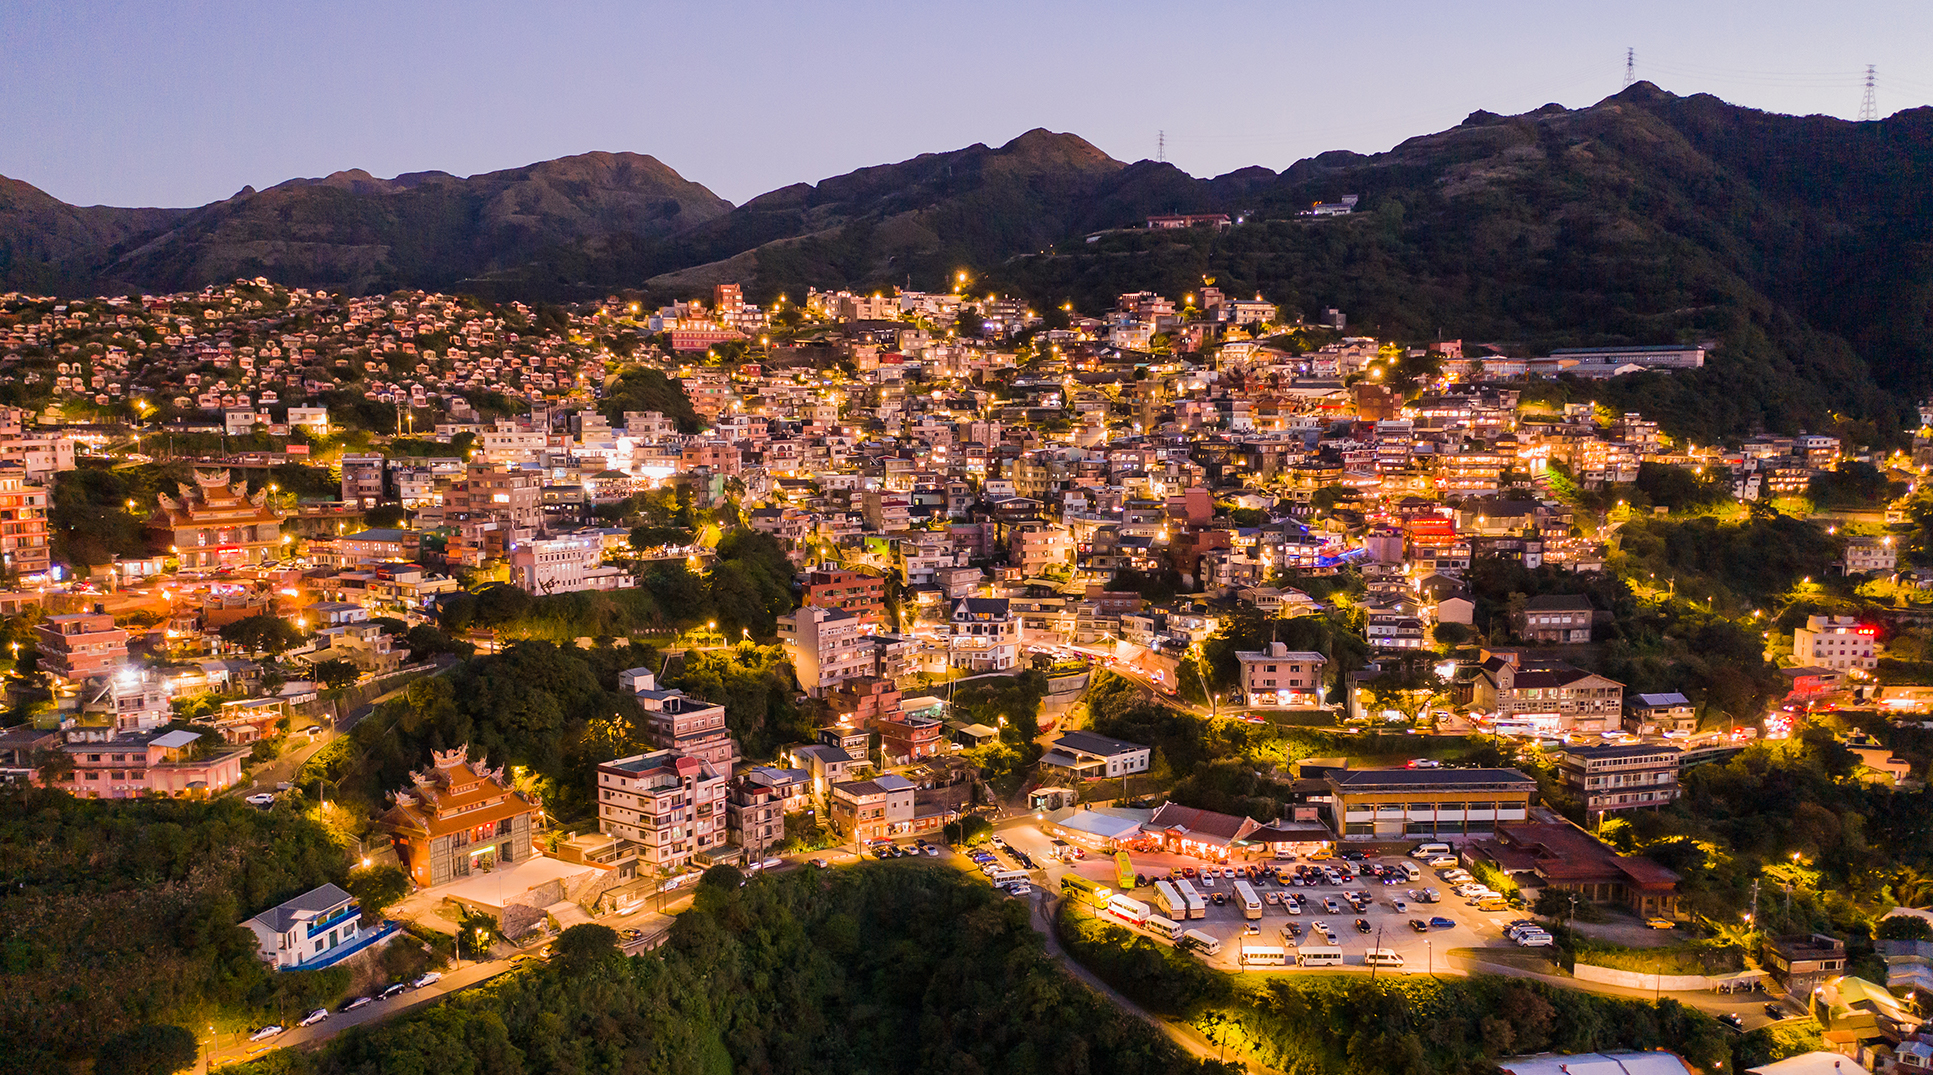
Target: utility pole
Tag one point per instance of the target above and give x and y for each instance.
(1753, 919)
(1869, 106)
(1630, 67)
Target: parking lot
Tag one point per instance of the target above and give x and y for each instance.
(1388, 926)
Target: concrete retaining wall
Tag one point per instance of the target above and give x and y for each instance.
(1669, 983)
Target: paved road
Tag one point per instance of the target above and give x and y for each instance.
(1747, 1006)
(453, 981)
(1181, 1034)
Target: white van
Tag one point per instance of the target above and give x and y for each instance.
(1412, 871)
(1429, 851)
(1318, 956)
(1382, 957)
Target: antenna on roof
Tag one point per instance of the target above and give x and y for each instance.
(1869, 106)
(1630, 67)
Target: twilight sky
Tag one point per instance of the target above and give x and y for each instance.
(152, 102)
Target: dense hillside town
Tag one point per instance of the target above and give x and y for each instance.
(518, 620)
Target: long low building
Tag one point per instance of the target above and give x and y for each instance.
(1389, 804)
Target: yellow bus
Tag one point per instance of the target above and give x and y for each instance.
(1091, 892)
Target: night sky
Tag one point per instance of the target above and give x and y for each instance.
(156, 103)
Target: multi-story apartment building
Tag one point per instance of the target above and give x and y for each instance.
(80, 645)
(1552, 695)
(565, 564)
(1841, 643)
(23, 522)
(1559, 618)
(677, 721)
(1871, 555)
(663, 808)
(362, 479)
(880, 808)
(756, 803)
(856, 592)
(1620, 777)
(985, 635)
(827, 646)
(1280, 676)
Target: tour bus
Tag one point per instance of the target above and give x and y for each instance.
(1007, 877)
(1128, 909)
(1205, 943)
(1514, 728)
(1251, 903)
(1265, 955)
(1163, 928)
(1197, 907)
(1086, 889)
(1426, 851)
(1382, 957)
(1171, 901)
(1318, 955)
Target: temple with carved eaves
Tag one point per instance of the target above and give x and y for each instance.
(215, 524)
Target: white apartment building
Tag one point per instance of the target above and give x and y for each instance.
(1837, 642)
(1871, 555)
(565, 565)
(827, 646)
(985, 636)
(662, 807)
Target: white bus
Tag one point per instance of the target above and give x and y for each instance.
(1264, 955)
(1128, 909)
(1161, 927)
(1251, 903)
(1172, 903)
(1005, 877)
(1318, 955)
(1197, 907)
(1205, 943)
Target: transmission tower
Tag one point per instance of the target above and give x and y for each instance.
(1869, 107)
(1630, 67)
(1161, 145)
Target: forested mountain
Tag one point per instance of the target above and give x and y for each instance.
(1800, 245)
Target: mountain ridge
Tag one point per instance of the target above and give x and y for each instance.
(1803, 243)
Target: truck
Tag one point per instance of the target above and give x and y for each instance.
(1197, 907)
(1251, 903)
(1172, 902)
(1204, 943)
(1089, 891)
(1128, 909)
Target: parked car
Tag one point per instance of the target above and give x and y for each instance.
(1401, 907)
(1732, 1019)
(314, 1017)
(392, 990)
(267, 1032)
(1777, 1012)
(821, 863)
(430, 978)
(357, 1003)
(1419, 925)
(1439, 922)
(1362, 925)
(1660, 923)
(261, 798)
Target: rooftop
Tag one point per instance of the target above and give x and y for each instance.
(1406, 779)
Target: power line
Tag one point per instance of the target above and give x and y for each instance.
(1869, 107)
(1630, 67)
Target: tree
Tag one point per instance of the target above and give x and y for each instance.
(1904, 927)
(376, 888)
(583, 946)
(148, 1049)
(262, 633)
(336, 673)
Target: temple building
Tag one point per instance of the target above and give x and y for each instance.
(458, 818)
(215, 524)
